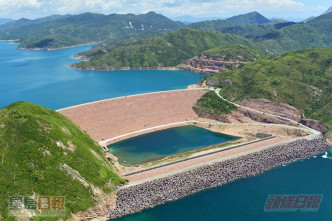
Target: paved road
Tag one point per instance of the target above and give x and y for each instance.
(217, 91)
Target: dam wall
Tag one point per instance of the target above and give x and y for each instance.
(111, 118)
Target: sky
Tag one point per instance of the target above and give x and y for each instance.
(172, 8)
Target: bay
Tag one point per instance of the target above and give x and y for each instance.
(42, 77)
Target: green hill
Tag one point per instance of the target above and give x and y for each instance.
(40, 153)
(238, 52)
(63, 31)
(168, 50)
(227, 26)
(323, 23)
(212, 25)
(277, 38)
(316, 33)
(302, 79)
(212, 104)
(249, 18)
(4, 20)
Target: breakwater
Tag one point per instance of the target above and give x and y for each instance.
(149, 194)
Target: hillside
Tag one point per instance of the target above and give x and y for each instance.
(69, 30)
(277, 38)
(323, 23)
(168, 50)
(24, 21)
(317, 33)
(253, 18)
(328, 10)
(241, 53)
(43, 153)
(212, 25)
(221, 59)
(212, 104)
(4, 20)
(302, 79)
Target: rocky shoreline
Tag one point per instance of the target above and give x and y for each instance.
(122, 68)
(135, 198)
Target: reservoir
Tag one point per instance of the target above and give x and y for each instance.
(42, 77)
(159, 144)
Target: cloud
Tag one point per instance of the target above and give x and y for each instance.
(5, 4)
(221, 8)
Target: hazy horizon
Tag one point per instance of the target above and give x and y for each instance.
(205, 9)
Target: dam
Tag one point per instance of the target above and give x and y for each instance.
(134, 115)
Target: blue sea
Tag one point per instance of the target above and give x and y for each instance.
(245, 199)
(42, 77)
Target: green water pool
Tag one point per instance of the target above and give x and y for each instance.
(159, 144)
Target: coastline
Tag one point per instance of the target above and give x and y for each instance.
(149, 194)
(123, 68)
(54, 49)
(8, 40)
(176, 68)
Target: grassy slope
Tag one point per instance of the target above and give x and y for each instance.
(167, 50)
(212, 25)
(302, 79)
(315, 34)
(243, 53)
(212, 104)
(276, 39)
(249, 18)
(30, 158)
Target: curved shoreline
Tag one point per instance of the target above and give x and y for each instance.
(17, 41)
(142, 196)
(54, 49)
(124, 68)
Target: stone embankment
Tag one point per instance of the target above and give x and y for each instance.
(138, 197)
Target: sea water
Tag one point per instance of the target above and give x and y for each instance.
(245, 199)
(42, 77)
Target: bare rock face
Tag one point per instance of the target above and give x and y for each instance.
(329, 137)
(267, 106)
(315, 124)
(210, 64)
(258, 117)
(213, 82)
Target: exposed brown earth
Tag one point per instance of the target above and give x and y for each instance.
(242, 115)
(280, 109)
(114, 117)
(210, 64)
(120, 68)
(314, 124)
(329, 137)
